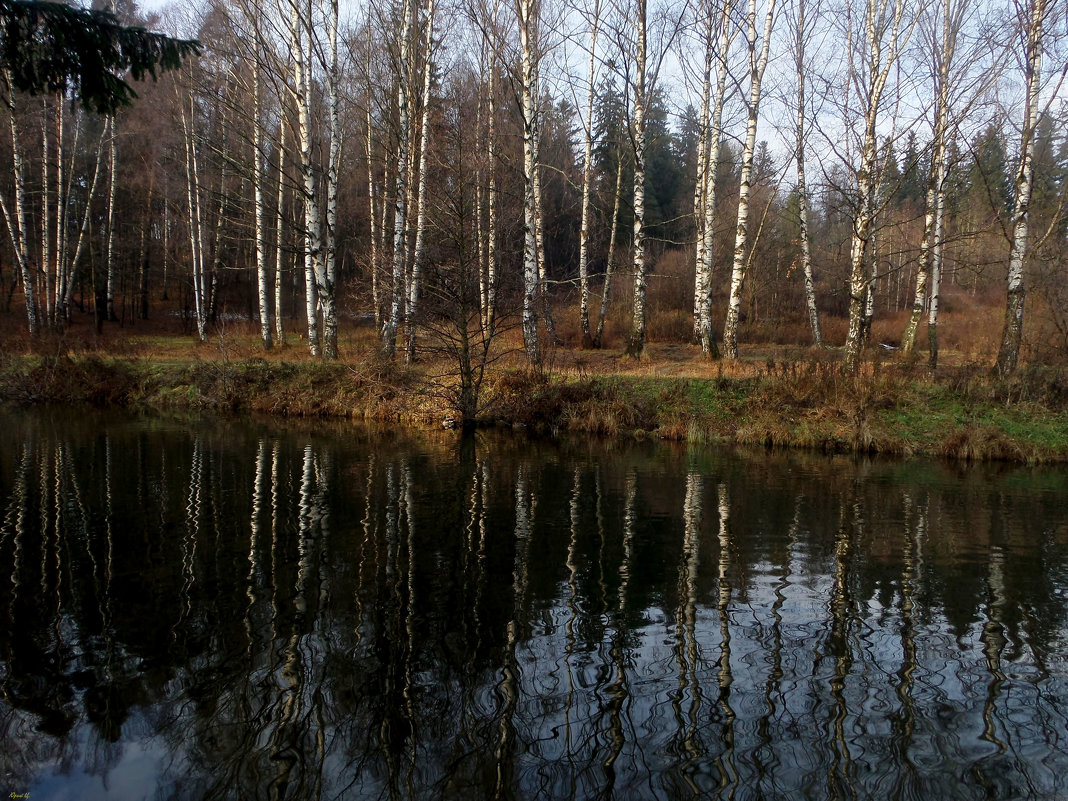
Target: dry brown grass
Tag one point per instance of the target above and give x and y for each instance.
(980, 443)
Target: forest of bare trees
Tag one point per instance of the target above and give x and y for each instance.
(595, 172)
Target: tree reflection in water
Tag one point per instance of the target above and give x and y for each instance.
(193, 611)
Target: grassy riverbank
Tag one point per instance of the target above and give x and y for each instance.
(780, 398)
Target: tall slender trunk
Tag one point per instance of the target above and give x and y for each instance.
(400, 216)
(636, 343)
(526, 11)
(1012, 334)
(301, 39)
(279, 223)
(757, 64)
(326, 277)
(372, 200)
(587, 171)
(110, 258)
(258, 177)
(412, 307)
(802, 33)
(931, 246)
(480, 194)
(46, 203)
(610, 262)
(707, 257)
(936, 265)
(143, 262)
(196, 238)
(878, 68)
(700, 189)
(17, 227)
(490, 311)
(62, 206)
(63, 309)
(539, 225)
(220, 216)
(166, 245)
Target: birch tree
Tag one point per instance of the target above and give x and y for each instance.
(956, 85)
(610, 262)
(758, 62)
(400, 207)
(942, 50)
(109, 257)
(528, 17)
(719, 32)
(587, 173)
(194, 216)
(636, 342)
(885, 33)
(254, 16)
(1035, 25)
(317, 247)
(279, 233)
(373, 195)
(412, 307)
(489, 294)
(647, 59)
(16, 219)
(801, 32)
(486, 19)
(326, 278)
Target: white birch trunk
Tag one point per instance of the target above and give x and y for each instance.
(931, 246)
(610, 262)
(878, 71)
(480, 196)
(279, 222)
(700, 190)
(490, 312)
(400, 216)
(63, 310)
(110, 258)
(706, 261)
(62, 204)
(326, 276)
(924, 266)
(587, 171)
(802, 33)
(539, 219)
(196, 237)
(412, 307)
(217, 232)
(636, 343)
(372, 203)
(526, 12)
(1012, 334)
(65, 267)
(46, 205)
(17, 227)
(258, 178)
(757, 64)
(936, 263)
(300, 36)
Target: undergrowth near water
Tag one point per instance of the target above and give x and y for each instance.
(797, 402)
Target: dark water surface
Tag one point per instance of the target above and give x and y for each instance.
(229, 610)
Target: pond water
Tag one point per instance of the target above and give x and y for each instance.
(198, 609)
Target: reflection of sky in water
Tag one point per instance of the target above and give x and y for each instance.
(136, 767)
(290, 616)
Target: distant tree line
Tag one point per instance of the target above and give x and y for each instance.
(725, 170)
